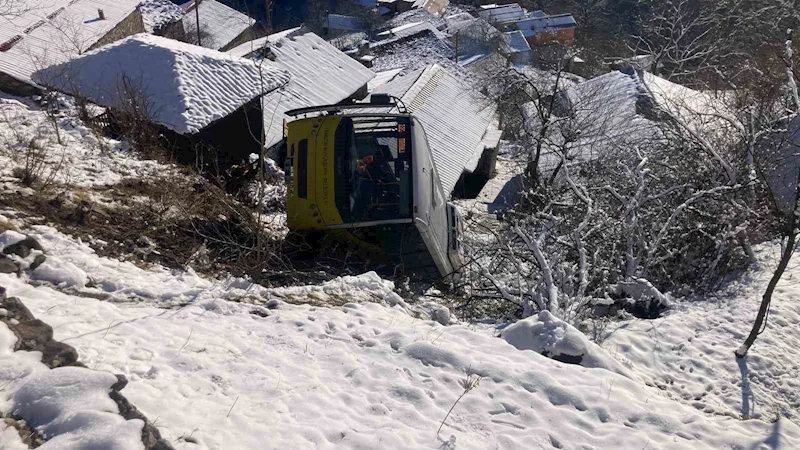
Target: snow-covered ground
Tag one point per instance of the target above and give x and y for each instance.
(81, 159)
(222, 364)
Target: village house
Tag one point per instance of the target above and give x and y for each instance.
(460, 126)
(538, 27)
(163, 18)
(541, 29)
(517, 49)
(320, 75)
(56, 31)
(221, 27)
(205, 104)
(337, 25)
(502, 16)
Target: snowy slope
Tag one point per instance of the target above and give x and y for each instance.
(82, 159)
(689, 352)
(219, 374)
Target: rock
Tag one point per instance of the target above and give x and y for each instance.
(8, 266)
(273, 303)
(16, 310)
(2, 293)
(552, 337)
(151, 437)
(122, 381)
(37, 262)
(259, 312)
(33, 334)
(23, 248)
(58, 354)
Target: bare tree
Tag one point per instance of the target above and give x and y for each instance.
(789, 211)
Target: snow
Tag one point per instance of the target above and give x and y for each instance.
(54, 31)
(71, 407)
(689, 353)
(548, 334)
(382, 78)
(221, 24)
(159, 13)
(9, 238)
(188, 87)
(82, 159)
(366, 373)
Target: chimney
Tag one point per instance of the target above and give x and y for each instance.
(101, 14)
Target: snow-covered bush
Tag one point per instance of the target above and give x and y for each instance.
(635, 187)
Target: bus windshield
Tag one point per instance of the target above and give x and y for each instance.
(373, 169)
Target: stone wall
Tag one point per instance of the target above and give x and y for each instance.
(129, 26)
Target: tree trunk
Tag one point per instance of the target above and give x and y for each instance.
(786, 256)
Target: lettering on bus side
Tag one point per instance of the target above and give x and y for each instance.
(325, 149)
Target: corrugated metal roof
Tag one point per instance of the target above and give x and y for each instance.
(516, 42)
(502, 13)
(188, 87)
(457, 122)
(256, 45)
(382, 78)
(405, 31)
(320, 75)
(222, 23)
(54, 33)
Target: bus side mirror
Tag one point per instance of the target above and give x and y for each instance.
(380, 99)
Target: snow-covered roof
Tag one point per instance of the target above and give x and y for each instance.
(405, 31)
(159, 13)
(382, 78)
(344, 23)
(53, 32)
(256, 45)
(414, 53)
(502, 13)
(458, 123)
(533, 25)
(188, 86)
(516, 42)
(320, 75)
(435, 7)
(221, 23)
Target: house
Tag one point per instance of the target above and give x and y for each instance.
(55, 31)
(205, 104)
(517, 49)
(221, 27)
(435, 7)
(320, 75)
(502, 15)
(472, 36)
(548, 29)
(459, 124)
(338, 24)
(163, 18)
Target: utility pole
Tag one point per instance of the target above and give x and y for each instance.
(197, 19)
(268, 5)
(457, 32)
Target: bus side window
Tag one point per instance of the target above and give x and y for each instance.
(302, 169)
